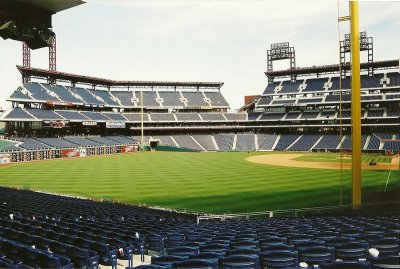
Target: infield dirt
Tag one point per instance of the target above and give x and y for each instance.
(288, 160)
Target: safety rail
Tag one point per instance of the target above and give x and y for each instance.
(291, 212)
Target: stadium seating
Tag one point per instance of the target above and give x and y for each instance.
(394, 79)
(346, 144)
(125, 98)
(314, 85)
(245, 142)
(290, 87)
(304, 143)
(264, 102)
(82, 141)
(18, 113)
(165, 140)
(106, 96)
(39, 93)
(86, 96)
(217, 99)
(86, 233)
(236, 116)
(328, 142)
(56, 143)
(272, 116)
(195, 99)
(114, 116)
(224, 141)
(18, 95)
(285, 141)
(212, 117)
(291, 115)
(63, 93)
(309, 114)
(188, 117)
(171, 99)
(168, 117)
(71, 115)
(95, 116)
(270, 88)
(206, 141)
(44, 114)
(266, 141)
(136, 117)
(186, 141)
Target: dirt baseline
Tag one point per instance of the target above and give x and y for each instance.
(288, 160)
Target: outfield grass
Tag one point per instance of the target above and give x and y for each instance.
(335, 157)
(204, 182)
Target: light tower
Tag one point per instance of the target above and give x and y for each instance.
(281, 51)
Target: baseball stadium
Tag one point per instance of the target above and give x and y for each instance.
(99, 172)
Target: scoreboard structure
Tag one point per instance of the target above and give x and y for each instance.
(281, 51)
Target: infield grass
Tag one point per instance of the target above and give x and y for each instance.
(222, 182)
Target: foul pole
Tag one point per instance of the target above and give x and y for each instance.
(141, 120)
(355, 104)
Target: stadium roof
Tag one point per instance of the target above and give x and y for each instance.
(334, 68)
(61, 76)
(53, 5)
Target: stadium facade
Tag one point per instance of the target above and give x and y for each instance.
(56, 114)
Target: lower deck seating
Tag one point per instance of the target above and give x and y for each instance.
(328, 142)
(218, 142)
(206, 141)
(285, 141)
(69, 232)
(186, 141)
(304, 143)
(245, 142)
(266, 141)
(224, 141)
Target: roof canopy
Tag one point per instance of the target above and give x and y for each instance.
(61, 76)
(334, 68)
(53, 5)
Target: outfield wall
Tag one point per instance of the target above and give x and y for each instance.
(39, 155)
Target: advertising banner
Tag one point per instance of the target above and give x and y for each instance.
(70, 153)
(115, 124)
(89, 123)
(82, 152)
(126, 149)
(5, 158)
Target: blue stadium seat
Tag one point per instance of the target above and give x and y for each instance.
(239, 261)
(352, 251)
(210, 257)
(184, 252)
(316, 255)
(166, 260)
(195, 264)
(346, 265)
(388, 262)
(279, 258)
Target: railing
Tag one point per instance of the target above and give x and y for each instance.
(292, 212)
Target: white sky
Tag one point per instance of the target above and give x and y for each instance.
(199, 40)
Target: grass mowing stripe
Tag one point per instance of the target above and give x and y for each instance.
(206, 182)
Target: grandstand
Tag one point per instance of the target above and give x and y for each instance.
(57, 115)
(69, 232)
(61, 116)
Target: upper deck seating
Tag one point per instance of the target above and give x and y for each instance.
(39, 93)
(217, 99)
(63, 93)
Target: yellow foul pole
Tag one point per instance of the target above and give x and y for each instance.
(355, 104)
(142, 120)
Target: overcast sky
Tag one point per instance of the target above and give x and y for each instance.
(223, 41)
